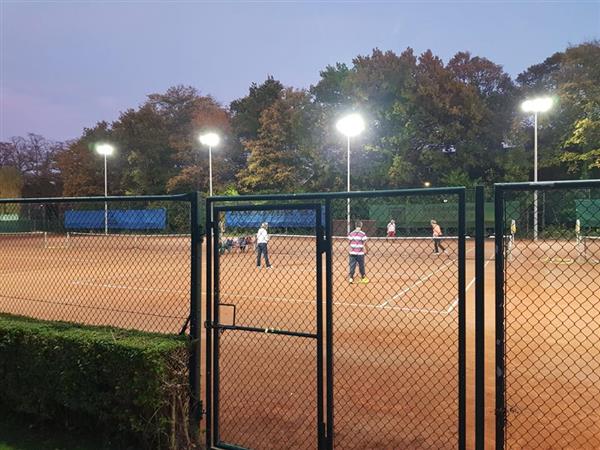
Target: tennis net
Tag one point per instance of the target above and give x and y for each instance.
(415, 247)
(34, 239)
(142, 242)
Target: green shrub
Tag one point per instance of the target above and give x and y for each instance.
(129, 386)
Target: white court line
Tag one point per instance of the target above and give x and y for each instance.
(120, 286)
(455, 302)
(266, 299)
(418, 283)
(355, 305)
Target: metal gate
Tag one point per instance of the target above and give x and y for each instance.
(266, 328)
(308, 355)
(548, 315)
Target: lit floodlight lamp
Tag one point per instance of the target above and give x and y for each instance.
(105, 149)
(535, 106)
(427, 184)
(351, 125)
(210, 139)
(541, 104)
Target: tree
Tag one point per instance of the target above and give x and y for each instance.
(332, 88)
(81, 170)
(568, 135)
(280, 157)
(143, 142)
(11, 182)
(206, 114)
(443, 120)
(35, 159)
(246, 111)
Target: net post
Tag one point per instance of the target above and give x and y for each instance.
(479, 318)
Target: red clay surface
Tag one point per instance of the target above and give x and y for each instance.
(395, 338)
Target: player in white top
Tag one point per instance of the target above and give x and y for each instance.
(437, 237)
(262, 240)
(391, 228)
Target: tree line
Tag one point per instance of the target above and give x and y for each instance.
(449, 124)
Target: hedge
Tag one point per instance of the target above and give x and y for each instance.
(129, 386)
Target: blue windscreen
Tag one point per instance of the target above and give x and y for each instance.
(118, 219)
(294, 218)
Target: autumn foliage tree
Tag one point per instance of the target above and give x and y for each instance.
(280, 156)
(449, 123)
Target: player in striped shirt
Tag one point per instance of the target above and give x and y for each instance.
(358, 249)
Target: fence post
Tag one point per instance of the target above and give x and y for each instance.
(195, 317)
(479, 318)
(208, 325)
(329, 322)
(462, 321)
(499, 248)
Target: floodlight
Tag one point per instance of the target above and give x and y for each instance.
(427, 184)
(105, 149)
(535, 106)
(351, 125)
(209, 139)
(541, 104)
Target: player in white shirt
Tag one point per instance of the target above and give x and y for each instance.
(262, 240)
(391, 228)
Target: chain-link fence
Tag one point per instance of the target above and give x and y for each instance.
(388, 368)
(121, 262)
(350, 338)
(548, 316)
(269, 342)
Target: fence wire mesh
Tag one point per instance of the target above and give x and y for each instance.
(267, 352)
(118, 263)
(396, 347)
(551, 318)
(395, 324)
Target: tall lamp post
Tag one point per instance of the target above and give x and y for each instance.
(535, 106)
(210, 140)
(350, 126)
(106, 150)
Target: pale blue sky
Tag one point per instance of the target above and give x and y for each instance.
(66, 65)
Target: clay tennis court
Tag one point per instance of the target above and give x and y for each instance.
(553, 344)
(395, 338)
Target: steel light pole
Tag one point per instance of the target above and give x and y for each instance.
(105, 150)
(350, 126)
(535, 106)
(210, 140)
